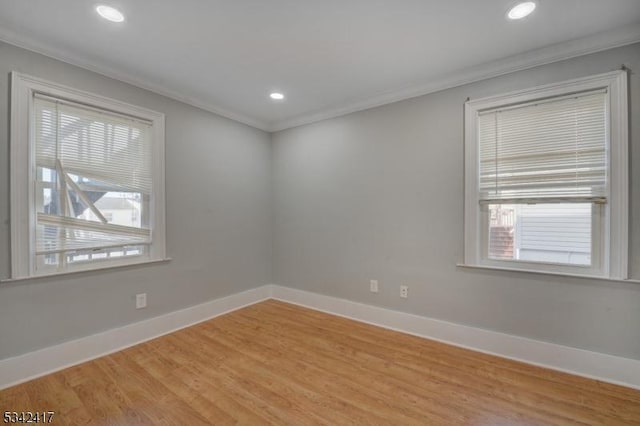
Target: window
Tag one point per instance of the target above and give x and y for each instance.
(87, 180)
(546, 185)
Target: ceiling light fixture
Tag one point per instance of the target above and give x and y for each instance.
(521, 10)
(110, 13)
(276, 96)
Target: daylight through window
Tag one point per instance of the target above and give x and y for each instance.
(547, 181)
(87, 172)
(93, 184)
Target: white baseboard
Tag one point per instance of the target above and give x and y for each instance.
(38, 363)
(594, 365)
(607, 368)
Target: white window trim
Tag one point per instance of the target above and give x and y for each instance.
(22, 173)
(614, 242)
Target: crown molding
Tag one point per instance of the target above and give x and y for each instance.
(546, 55)
(558, 52)
(63, 55)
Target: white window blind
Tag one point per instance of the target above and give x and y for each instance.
(107, 147)
(89, 152)
(545, 151)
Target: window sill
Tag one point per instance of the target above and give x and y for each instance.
(557, 274)
(78, 271)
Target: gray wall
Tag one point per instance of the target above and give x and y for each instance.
(378, 194)
(218, 221)
(372, 195)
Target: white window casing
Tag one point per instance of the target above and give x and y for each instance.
(560, 143)
(84, 140)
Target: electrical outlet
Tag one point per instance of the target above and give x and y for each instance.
(404, 291)
(373, 286)
(141, 300)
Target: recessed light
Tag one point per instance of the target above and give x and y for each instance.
(521, 10)
(110, 13)
(276, 96)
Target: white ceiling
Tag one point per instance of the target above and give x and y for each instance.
(327, 56)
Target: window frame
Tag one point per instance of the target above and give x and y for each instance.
(23, 175)
(610, 234)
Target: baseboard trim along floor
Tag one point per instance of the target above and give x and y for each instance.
(599, 366)
(594, 365)
(44, 361)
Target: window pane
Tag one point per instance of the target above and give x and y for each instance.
(93, 184)
(118, 208)
(106, 253)
(84, 256)
(549, 233)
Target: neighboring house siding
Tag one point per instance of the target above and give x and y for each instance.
(554, 233)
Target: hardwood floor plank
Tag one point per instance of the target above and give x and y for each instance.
(375, 357)
(277, 363)
(320, 319)
(16, 399)
(515, 373)
(431, 388)
(327, 371)
(328, 405)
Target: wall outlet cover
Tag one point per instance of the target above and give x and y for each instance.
(141, 300)
(404, 291)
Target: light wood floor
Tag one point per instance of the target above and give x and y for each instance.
(275, 363)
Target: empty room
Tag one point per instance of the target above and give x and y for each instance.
(320, 212)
